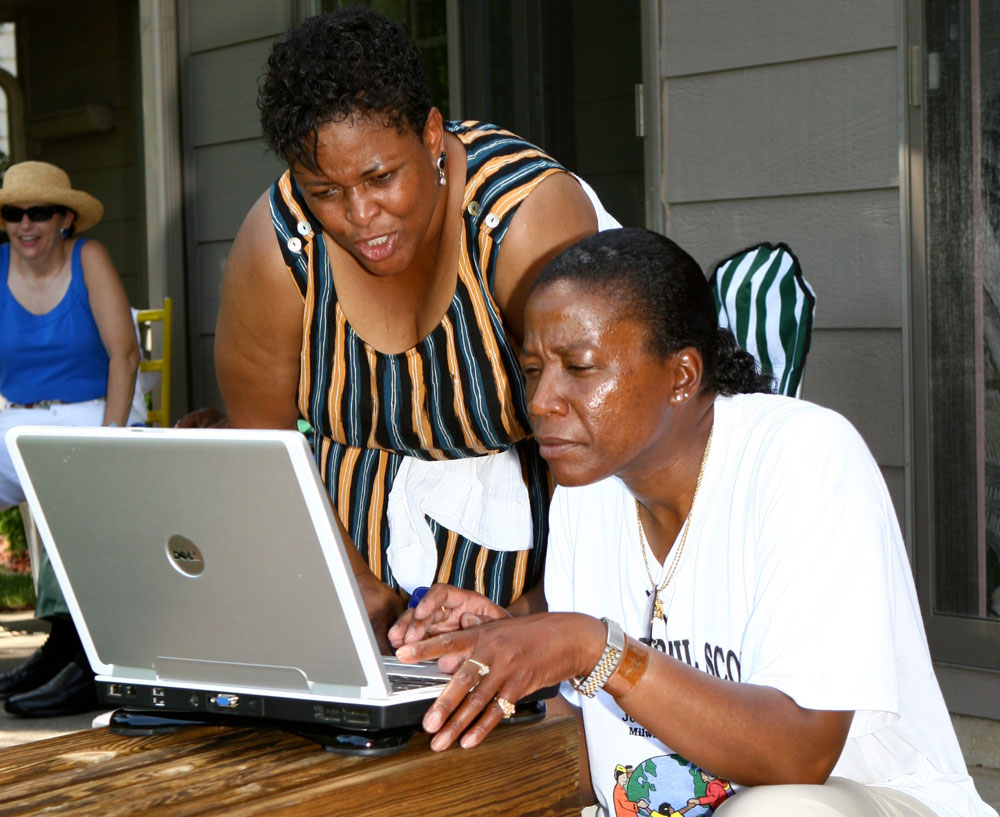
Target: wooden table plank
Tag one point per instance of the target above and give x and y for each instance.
(511, 773)
(118, 766)
(104, 753)
(528, 769)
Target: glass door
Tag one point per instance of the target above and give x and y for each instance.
(959, 371)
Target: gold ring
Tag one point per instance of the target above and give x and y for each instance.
(484, 669)
(444, 611)
(505, 706)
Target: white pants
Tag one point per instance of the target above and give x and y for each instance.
(89, 413)
(838, 796)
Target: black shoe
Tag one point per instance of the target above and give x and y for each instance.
(70, 692)
(59, 648)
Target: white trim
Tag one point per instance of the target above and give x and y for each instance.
(161, 126)
(653, 146)
(15, 116)
(906, 129)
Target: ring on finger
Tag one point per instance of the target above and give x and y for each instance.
(506, 707)
(483, 669)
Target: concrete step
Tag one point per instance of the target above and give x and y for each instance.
(980, 742)
(987, 784)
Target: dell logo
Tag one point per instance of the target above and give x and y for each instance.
(184, 555)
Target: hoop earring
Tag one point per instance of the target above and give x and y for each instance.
(442, 159)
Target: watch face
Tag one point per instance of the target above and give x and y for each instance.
(616, 636)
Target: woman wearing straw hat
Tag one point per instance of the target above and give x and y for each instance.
(68, 356)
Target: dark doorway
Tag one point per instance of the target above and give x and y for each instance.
(562, 74)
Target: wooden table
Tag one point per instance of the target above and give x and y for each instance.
(519, 769)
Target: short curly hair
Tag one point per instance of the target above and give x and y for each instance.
(349, 62)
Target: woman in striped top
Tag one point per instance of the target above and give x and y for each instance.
(377, 290)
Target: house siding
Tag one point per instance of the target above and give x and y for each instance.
(778, 129)
(222, 49)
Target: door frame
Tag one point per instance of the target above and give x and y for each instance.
(162, 175)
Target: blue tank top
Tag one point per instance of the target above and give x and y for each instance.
(55, 356)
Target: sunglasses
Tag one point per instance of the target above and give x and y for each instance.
(42, 212)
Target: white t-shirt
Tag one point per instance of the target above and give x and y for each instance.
(794, 576)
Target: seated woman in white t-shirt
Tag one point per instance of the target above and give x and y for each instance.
(728, 589)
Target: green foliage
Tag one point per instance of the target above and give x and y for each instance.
(17, 591)
(12, 529)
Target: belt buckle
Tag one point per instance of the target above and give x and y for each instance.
(37, 404)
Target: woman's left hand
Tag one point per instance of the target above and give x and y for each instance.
(502, 660)
(443, 609)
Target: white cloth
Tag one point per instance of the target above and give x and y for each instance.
(481, 498)
(794, 576)
(605, 221)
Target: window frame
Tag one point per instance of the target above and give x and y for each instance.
(966, 650)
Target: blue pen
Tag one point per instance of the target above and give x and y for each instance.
(418, 593)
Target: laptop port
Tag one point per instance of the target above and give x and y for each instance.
(357, 717)
(224, 701)
(328, 713)
(343, 715)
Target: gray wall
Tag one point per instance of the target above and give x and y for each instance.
(781, 124)
(222, 49)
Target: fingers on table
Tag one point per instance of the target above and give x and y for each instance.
(469, 708)
(507, 708)
(496, 710)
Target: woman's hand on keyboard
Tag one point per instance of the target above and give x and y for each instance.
(443, 609)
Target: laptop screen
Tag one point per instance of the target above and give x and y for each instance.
(194, 555)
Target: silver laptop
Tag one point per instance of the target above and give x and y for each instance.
(206, 574)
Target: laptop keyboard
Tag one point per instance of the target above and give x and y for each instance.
(401, 683)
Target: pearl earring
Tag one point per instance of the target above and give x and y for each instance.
(442, 159)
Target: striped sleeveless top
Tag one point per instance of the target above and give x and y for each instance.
(458, 393)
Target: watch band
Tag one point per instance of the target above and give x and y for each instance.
(614, 647)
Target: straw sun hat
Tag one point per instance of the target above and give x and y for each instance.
(31, 182)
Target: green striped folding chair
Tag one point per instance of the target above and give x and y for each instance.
(765, 302)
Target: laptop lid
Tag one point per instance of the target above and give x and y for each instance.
(200, 558)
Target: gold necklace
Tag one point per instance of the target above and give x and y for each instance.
(658, 611)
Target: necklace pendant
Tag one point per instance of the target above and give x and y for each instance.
(658, 611)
